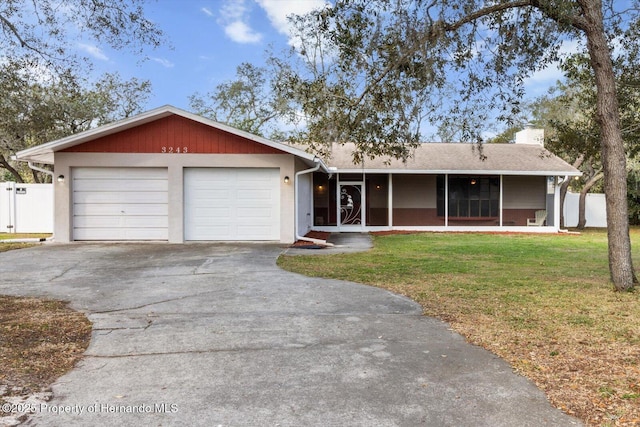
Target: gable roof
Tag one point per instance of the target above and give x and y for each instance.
(44, 153)
(432, 158)
(457, 158)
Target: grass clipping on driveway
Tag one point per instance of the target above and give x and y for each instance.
(39, 341)
(544, 303)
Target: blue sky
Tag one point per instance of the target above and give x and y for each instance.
(208, 39)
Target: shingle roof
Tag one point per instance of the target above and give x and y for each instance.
(503, 159)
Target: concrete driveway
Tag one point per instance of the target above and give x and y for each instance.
(218, 335)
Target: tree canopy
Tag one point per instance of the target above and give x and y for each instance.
(36, 109)
(44, 29)
(44, 96)
(372, 72)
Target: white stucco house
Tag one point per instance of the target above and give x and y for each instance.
(170, 175)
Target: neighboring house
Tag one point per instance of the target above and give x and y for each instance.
(171, 175)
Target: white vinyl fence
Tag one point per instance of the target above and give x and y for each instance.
(26, 208)
(595, 210)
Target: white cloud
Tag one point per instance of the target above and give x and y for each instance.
(164, 62)
(94, 51)
(240, 32)
(206, 11)
(278, 10)
(234, 16)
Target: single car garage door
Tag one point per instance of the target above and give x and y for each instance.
(120, 204)
(232, 204)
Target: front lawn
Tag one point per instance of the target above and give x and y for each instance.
(542, 302)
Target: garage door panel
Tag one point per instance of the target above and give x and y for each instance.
(120, 234)
(253, 185)
(106, 221)
(213, 195)
(121, 173)
(120, 204)
(255, 214)
(126, 197)
(212, 216)
(117, 185)
(116, 209)
(265, 194)
(232, 204)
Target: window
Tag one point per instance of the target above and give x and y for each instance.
(470, 196)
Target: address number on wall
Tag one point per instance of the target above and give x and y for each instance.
(174, 150)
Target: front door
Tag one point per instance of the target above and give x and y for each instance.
(350, 201)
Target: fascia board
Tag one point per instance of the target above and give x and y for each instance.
(460, 172)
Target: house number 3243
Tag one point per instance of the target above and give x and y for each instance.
(174, 150)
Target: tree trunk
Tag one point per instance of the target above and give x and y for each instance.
(582, 217)
(5, 164)
(563, 195)
(36, 178)
(613, 153)
(565, 187)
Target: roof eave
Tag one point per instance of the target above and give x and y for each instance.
(462, 172)
(44, 153)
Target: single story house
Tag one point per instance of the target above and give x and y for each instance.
(170, 175)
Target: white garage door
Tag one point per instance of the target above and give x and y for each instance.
(120, 204)
(232, 204)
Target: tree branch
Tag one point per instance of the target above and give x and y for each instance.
(5, 164)
(438, 28)
(6, 23)
(481, 13)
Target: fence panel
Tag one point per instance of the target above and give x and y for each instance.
(26, 208)
(595, 210)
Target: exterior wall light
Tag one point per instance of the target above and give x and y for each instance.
(286, 179)
(61, 179)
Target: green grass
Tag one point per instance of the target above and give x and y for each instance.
(543, 302)
(9, 236)
(4, 246)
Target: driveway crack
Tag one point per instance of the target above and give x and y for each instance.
(136, 307)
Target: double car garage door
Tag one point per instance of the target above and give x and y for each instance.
(133, 204)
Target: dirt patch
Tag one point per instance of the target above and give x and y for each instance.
(40, 340)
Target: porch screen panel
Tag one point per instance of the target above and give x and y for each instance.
(470, 196)
(324, 200)
(377, 187)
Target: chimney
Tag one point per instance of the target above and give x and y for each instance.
(530, 135)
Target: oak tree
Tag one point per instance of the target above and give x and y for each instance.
(46, 30)
(371, 71)
(35, 109)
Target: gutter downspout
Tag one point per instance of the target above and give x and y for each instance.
(36, 168)
(295, 213)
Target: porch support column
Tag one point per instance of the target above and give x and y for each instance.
(446, 200)
(363, 200)
(500, 207)
(337, 199)
(390, 201)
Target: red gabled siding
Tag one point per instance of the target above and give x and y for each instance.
(173, 134)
